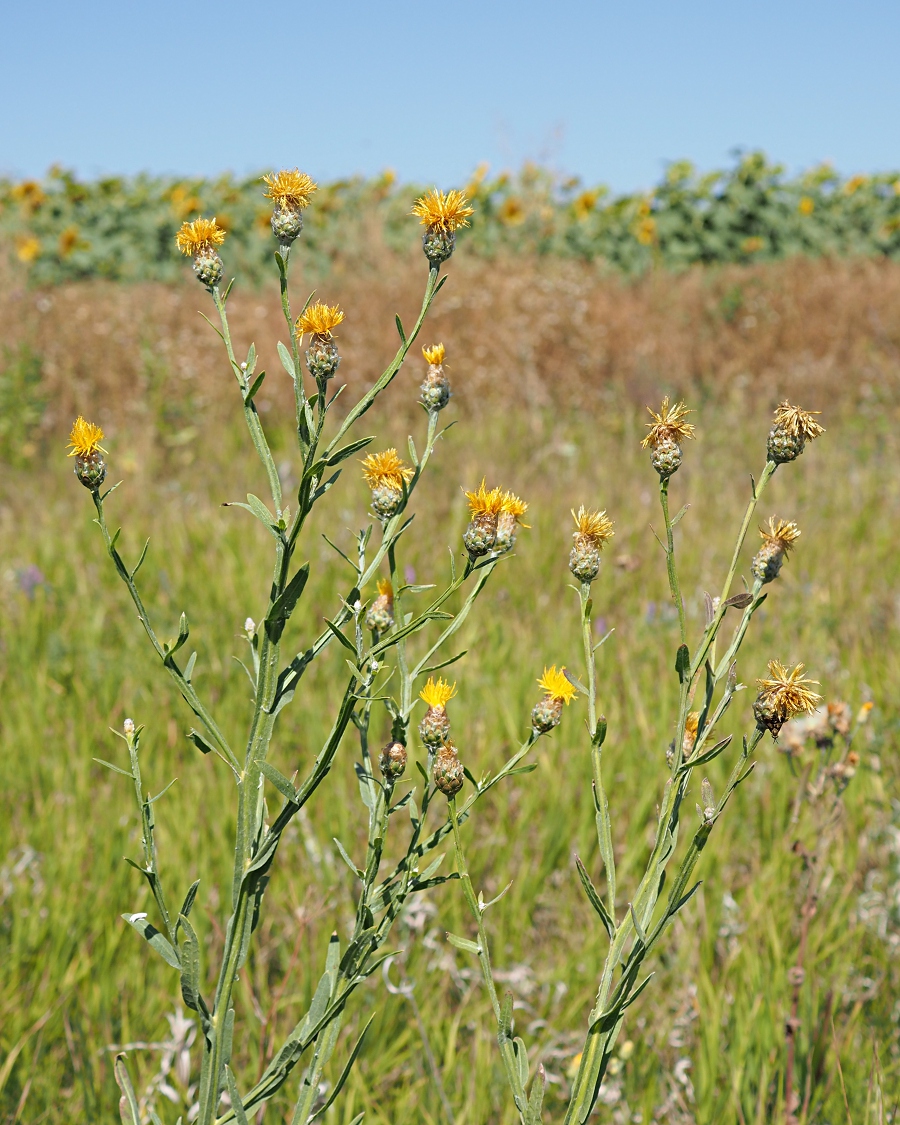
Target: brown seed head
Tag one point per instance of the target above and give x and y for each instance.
(797, 422)
(781, 533)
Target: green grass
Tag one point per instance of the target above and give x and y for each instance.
(74, 979)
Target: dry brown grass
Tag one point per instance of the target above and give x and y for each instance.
(535, 331)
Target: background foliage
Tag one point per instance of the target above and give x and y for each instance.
(120, 228)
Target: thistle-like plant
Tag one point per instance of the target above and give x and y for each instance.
(383, 668)
(707, 680)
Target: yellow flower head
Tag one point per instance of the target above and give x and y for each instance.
(202, 235)
(669, 424)
(556, 685)
(691, 725)
(319, 319)
(512, 505)
(27, 248)
(781, 532)
(596, 526)
(386, 468)
(789, 693)
(435, 354)
(289, 188)
(798, 422)
(30, 193)
(385, 589)
(437, 693)
(446, 212)
(485, 501)
(807, 205)
(85, 438)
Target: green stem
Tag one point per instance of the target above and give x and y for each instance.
(674, 585)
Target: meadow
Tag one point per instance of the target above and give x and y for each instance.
(552, 363)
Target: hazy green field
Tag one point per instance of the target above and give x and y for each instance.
(706, 1041)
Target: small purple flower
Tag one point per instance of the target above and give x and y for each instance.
(409, 575)
(29, 579)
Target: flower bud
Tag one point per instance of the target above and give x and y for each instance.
(666, 430)
(434, 728)
(448, 770)
(594, 529)
(393, 760)
(380, 615)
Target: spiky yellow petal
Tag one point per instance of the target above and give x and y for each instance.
(446, 212)
(198, 236)
(595, 525)
(513, 505)
(289, 188)
(384, 587)
(669, 424)
(386, 468)
(788, 692)
(782, 533)
(85, 438)
(799, 423)
(555, 684)
(485, 501)
(435, 354)
(437, 693)
(319, 320)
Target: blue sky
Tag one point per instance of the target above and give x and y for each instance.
(606, 91)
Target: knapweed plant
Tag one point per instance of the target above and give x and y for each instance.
(707, 683)
(393, 639)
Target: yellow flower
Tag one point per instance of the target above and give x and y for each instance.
(484, 501)
(385, 589)
(585, 203)
(30, 193)
(446, 212)
(319, 319)
(854, 184)
(646, 231)
(435, 354)
(200, 236)
(289, 188)
(513, 506)
(807, 205)
(781, 533)
(669, 424)
(68, 241)
(556, 685)
(788, 693)
(512, 211)
(595, 526)
(386, 469)
(85, 438)
(27, 248)
(798, 422)
(752, 245)
(437, 693)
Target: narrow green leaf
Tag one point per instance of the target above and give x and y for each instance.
(190, 966)
(237, 1104)
(464, 944)
(347, 451)
(400, 331)
(345, 1073)
(536, 1101)
(594, 899)
(346, 858)
(679, 515)
(188, 905)
(287, 360)
(200, 742)
(284, 604)
(129, 1110)
(251, 391)
(444, 663)
(140, 561)
(682, 662)
(154, 938)
(281, 783)
(340, 636)
(115, 769)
